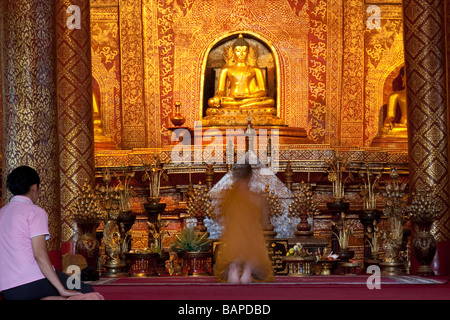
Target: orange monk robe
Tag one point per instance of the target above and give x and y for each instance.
(243, 239)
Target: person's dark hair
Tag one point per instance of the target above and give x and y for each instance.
(242, 171)
(21, 179)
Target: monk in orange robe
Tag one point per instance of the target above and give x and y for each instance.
(243, 255)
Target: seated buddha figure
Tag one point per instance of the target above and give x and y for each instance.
(246, 83)
(393, 130)
(397, 98)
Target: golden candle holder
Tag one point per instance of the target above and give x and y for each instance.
(423, 211)
(199, 207)
(126, 191)
(87, 214)
(275, 210)
(344, 230)
(109, 200)
(154, 173)
(369, 188)
(395, 211)
(303, 205)
(337, 167)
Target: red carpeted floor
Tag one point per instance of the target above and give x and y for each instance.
(283, 288)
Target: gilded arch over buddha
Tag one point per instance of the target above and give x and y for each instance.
(240, 80)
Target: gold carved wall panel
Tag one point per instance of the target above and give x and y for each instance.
(352, 115)
(384, 54)
(334, 71)
(132, 74)
(209, 22)
(330, 67)
(152, 71)
(106, 68)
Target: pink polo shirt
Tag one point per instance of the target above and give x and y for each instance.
(20, 220)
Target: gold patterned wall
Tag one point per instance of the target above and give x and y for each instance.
(383, 57)
(105, 57)
(333, 71)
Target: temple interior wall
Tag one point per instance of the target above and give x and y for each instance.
(334, 72)
(336, 67)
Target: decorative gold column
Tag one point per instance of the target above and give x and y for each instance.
(425, 63)
(1, 99)
(74, 79)
(29, 125)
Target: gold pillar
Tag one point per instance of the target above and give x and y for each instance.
(74, 79)
(29, 102)
(425, 64)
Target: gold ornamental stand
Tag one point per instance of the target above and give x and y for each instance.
(300, 266)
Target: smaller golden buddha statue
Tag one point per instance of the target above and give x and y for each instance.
(241, 92)
(101, 140)
(397, 98)
(98, 126)
(393, 133)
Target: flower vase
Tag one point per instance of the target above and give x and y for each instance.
(374, 255)
(336, 207)
(367, 217)
(345, 254)
(424, 248)
(87, 244)
(373, 261)
(304, 228)
(177, 120)
(125, 221)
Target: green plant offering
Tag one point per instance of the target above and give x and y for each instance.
(191, 241)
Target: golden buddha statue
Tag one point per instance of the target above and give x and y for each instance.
(100, 139)
(241, 92)
(98, 126)
(247, 85)
(393, 133)
(397, 98)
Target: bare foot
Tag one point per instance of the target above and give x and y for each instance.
(87, 296)
(246, 277)
(233, 274)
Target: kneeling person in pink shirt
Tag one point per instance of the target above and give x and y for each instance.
(26, 272)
